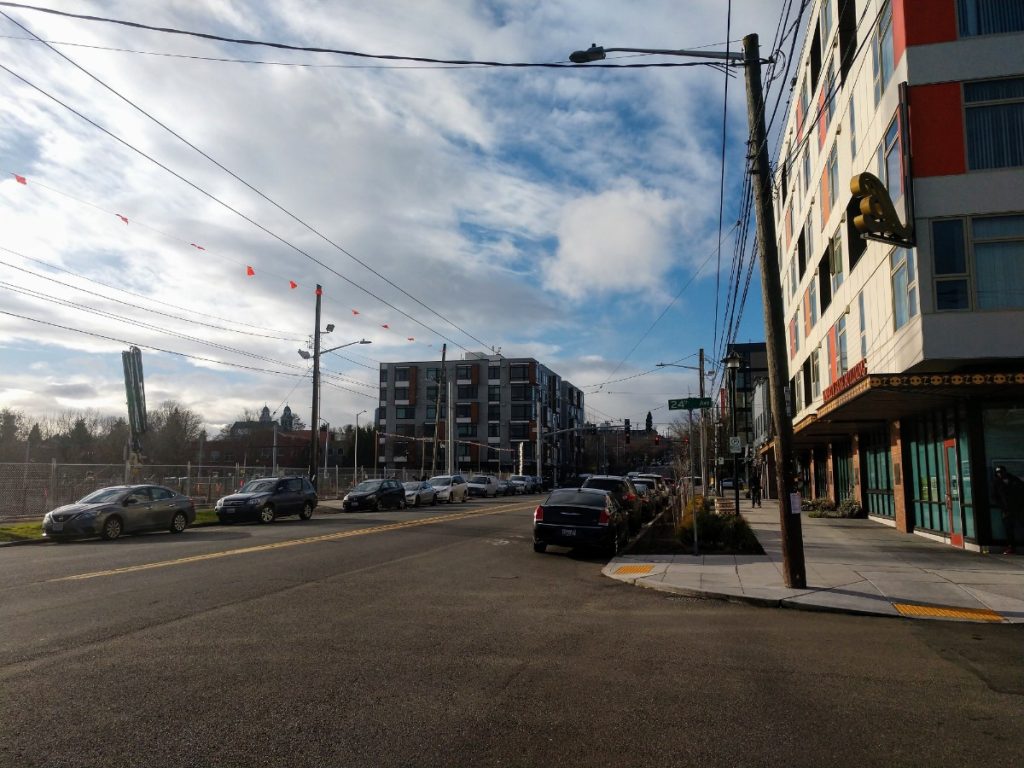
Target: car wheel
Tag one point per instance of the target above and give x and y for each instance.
(179, 522)
(266, 514)
(540, 546)
(112, 528)
(376, 506)
(433, 501)
(451, 498)
(416, 500)
(465, 497)
(307, 511)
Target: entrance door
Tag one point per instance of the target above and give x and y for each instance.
(953, 507)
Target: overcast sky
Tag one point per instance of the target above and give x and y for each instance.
(552, 213)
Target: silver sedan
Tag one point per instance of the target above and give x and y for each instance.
(419, 492)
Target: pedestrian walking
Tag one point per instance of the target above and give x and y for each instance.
(1008, 490)
(755, 489)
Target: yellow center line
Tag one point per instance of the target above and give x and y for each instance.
(290, 543)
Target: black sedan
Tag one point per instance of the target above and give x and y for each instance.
(109, 512)
(580, 517)
(374, 495)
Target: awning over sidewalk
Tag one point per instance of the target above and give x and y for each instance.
(881, 397)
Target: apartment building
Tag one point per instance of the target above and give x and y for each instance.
(907, 360)
(497, 412)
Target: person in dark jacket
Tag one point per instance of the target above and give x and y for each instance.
(1008, 491)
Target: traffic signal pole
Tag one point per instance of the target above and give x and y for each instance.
(794, 570)
(314, 427)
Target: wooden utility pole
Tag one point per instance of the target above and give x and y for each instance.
(774, 323)
(314, 427)
(437, 412)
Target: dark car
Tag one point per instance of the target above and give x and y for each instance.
(625, 494)
(648, 502)
(109, 512)
(268, 498)
(662, 492)
(374, 495)
(580, 517)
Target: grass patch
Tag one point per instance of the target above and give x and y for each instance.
(21, 531)
(717, 534)
(205, 516)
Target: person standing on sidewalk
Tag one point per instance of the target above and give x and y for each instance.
(755, 488)
(1009, 493)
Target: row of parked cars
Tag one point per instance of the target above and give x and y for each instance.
(600, 511)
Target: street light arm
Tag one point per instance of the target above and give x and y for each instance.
(597, 53)
(342, 346)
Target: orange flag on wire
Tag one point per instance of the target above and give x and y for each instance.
(292, 284)
(249, 271)
(122, 218)
(20, 179)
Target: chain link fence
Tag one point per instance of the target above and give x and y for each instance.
(29, 491)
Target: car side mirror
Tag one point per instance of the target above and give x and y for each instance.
(130, 500)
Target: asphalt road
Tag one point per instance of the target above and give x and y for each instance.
(439, 638)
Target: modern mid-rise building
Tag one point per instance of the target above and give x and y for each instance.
(499, 413)
(753, 367)
(907, 359)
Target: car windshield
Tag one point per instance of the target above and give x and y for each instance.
(411, 486)
(259, 486)
(576, 497)
(641, 486)
(440, 481)
(607, 484)
(103, 494)
(480, 480)
(368, 485)
(520, 478)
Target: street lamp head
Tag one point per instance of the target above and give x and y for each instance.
(733, 361)
(365, 341)
(304, 354)
(329, 328)
(593, 53)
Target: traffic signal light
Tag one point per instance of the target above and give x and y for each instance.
(657, 439)
(626, 429)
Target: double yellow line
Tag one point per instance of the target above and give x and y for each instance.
(292, 543)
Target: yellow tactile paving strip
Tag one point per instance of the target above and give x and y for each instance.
(640, 570)
(947, 612)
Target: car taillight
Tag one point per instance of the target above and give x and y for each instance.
(538, 515)
(630, 497)
(604, 518)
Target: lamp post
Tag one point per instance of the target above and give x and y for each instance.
(703, 416)
(794, 568)
(355, 451)
(314, 443)
(733, 363)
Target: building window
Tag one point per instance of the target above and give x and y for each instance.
(431, 412)
(519, 372)
(792, 278)
(494, 372)
(826, 22)
(815, 375)
(862, 321)
(493, 393)
(842, 363)
(494, 430)
(383, 394)
(952, 284)
(518, 431)
(522, 392)
(466, 430)
(805, 96)
(383, 375)
(807, 166)
(401, 393)
(405, 412)
(995, 123)
(432, 392)
(428, 429)
(904, 286)
(835, 261)
(833, 178)
(494, 413)
(882, 57)
(999, 261)
(433, 374)
(812, 299)
(522, 412)
(462, 451)
(890, 160)
(853, 128)
(463, 411)
(401, 374)
(467, 392)
(463, 372)
(989, 17)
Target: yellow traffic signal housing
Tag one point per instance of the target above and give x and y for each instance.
(878, 219)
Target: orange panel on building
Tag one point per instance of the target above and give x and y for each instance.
(922, 22)
(936, 130)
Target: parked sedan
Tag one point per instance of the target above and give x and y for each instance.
(648, 504)
(269, 498)
(505, 488)
(624, 492)
(109, 512)
(483, 485)
(374, 495)
(580, 517)
(419, 492)
(450, 488)
(523, 483)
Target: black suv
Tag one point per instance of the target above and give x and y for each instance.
(375, 495)
(268, 498)
(625, 494)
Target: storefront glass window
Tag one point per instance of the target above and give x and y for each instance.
(1004, 444)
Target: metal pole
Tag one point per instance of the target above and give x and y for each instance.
(327, 443)
(355, 453)
(437, 411)
(735, 454)
(774, 322)
(275, 449)
(696, 546)
(314, 424)
(703, 420)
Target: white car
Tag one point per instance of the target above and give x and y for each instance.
(450, 488)
(483, 485)
(419, 492)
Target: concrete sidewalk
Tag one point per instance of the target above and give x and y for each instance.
(853, 566)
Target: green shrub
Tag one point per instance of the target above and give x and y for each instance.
(717, 533)
(823, 504)
(848, 507)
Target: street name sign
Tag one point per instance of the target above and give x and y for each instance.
(689, 403)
